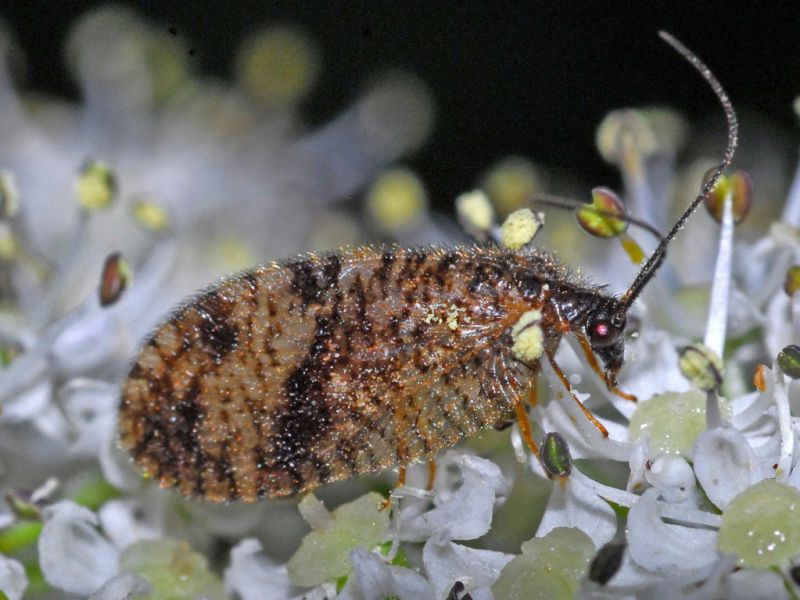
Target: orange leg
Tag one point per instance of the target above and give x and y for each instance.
(431, 474)
(532, 395)
(525, 427)
(401, 477)
(592, 360)
(566, 384)
(401, 481)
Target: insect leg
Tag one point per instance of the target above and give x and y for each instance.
(431, 474)
(401, 477)
(592, 360)
(525, 426)
(401, 481)
(532, 392)
(568, 387)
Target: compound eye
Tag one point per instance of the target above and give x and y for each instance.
(603, 332)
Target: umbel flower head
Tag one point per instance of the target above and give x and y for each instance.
(114, 209)
(111, 211)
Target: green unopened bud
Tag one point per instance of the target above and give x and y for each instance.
(556, 459)
(150, 216)
(789, 361)
(115, 279)
(739, 186)
(96, 186)
(606, 562)
(791, 283)
(701, 366)
(22, 505)
(9, 198)
(605, 217)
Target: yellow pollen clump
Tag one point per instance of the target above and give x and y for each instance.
(452, 316)
(528, 337)
(520, 227)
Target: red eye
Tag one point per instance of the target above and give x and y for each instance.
(602, 332)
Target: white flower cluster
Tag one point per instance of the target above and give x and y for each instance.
(695, 493)
(187, 179)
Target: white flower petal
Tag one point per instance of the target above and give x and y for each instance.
(117, 466)
(125, 586)
(717, 324)
(576, 505)
(7, 517)
(604, 447)
(73, 555)
(467, 513)
(784, 416)
(90, 341)
(25, 388)
(656, 372)
(372, 579)
(90, 408)
(128, 521)
(447, 563)
(661, 547)
(563, 417)
(672, 477)
(725, 464)
(750, 408)
(253, 576)
(13, 580)
(640, 457)
(777, 333)
(747, 584)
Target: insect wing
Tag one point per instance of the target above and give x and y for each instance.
(281, 379)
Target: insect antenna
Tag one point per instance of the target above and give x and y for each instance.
(656, 258)
(570, 204)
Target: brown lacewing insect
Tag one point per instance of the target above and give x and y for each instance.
(295, 374)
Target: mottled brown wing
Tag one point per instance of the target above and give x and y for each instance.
(290, 376)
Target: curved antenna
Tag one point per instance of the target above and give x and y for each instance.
(651, 266)
(570, 204)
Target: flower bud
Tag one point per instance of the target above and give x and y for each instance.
(701, 366)
(789, 361)
(116, 277)
(9, 198)
(96, 186)
(396, 200)
(605, 217)
(150, 216)
(739, 186)
(606, 562)
(791, 283)
(556, 459)
(475, 214)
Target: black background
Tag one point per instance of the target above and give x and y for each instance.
(527, 78)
